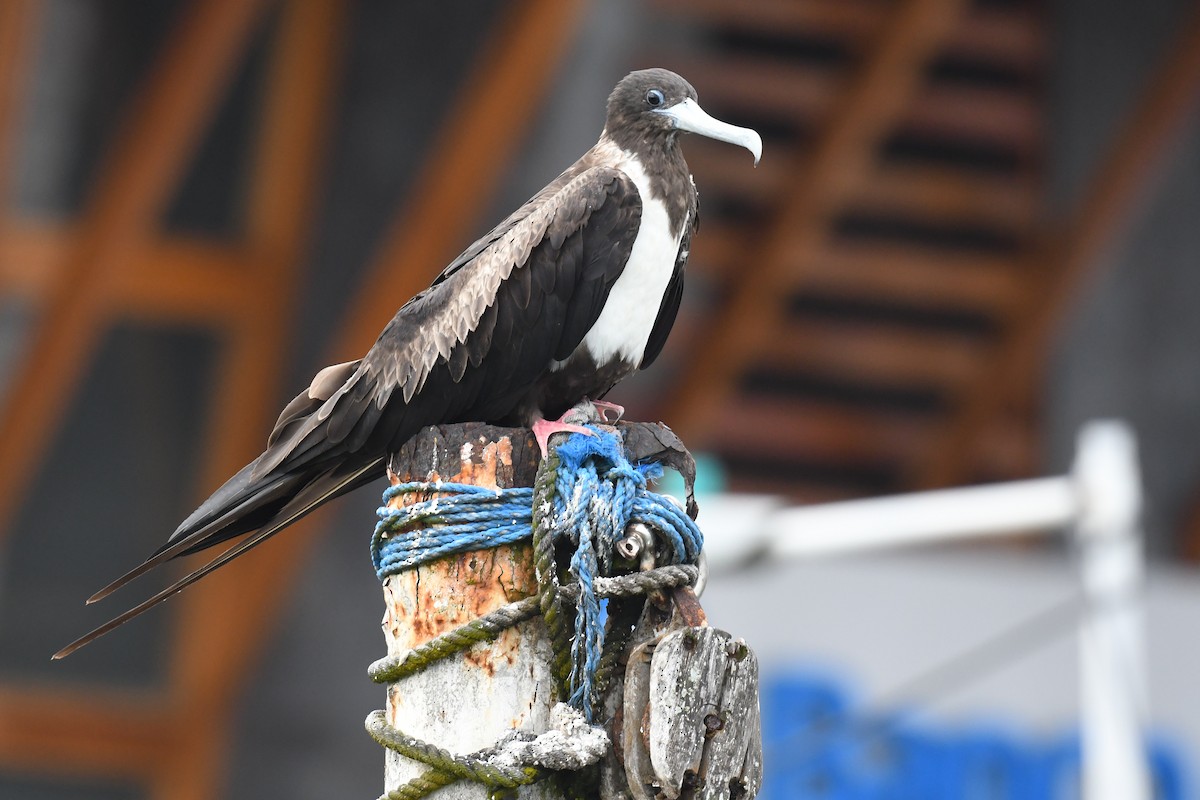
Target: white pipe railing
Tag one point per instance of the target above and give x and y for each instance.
(921, 518)
(1100, 502)
(1111, 647)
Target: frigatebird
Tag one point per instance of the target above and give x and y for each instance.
(574, 291)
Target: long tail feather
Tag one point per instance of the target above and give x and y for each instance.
(288, 516)
(175, 588)
(189, 541)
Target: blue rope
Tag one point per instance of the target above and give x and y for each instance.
(465, 518)
(598, 494)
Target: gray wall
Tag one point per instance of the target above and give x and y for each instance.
(1130, 344)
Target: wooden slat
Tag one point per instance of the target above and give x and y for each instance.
(181, 281)
(825, 179)
(1108, 209)
(1003, 119)
(19, 26)
(924, 277)
(135, 180)
(918, 276)
(878, 353)
(1013, 38)
(85, 732)
(1008, 37)
(761, 85)
(472, 151)
(952, 196)
(783, 429)
(169, 278)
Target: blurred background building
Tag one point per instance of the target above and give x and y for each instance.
(974, 227)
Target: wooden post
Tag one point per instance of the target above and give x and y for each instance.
(685, 727)
(468, 701)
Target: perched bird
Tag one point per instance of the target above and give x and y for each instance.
(574, 291)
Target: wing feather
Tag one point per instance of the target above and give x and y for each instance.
(571, 245)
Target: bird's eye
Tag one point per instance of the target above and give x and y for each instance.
(654, 98)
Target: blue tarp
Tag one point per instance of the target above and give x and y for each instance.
(818, 744)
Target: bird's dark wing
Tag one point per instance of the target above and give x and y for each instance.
(673, 295)
(472, 344)
(469, 347)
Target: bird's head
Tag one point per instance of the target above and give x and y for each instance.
(657, 103)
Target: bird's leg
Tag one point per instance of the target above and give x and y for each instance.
(600, 411)
(543, 429)
(604, 408)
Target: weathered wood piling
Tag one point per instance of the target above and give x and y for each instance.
(467, 702)
(680, 708)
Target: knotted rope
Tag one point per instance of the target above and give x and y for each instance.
(584, 499)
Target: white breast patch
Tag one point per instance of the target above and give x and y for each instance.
(624, 326)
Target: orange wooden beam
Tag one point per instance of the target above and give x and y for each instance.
(474, 146)
(1108, 209)
(167, 278)
(825, 180)
(151, 151)
(84, 732)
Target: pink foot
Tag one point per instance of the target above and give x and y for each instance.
(604, 408)
(543, 429)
